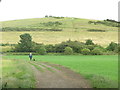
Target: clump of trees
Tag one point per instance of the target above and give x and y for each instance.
(107, 22)
(67, 48)
(47, 16)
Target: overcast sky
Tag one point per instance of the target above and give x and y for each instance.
(89, 9)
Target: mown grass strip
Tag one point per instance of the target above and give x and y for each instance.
(46, 67)
(56, 67)
(53, 65)
(36, 66)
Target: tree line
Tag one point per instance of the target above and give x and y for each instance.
(67, 48)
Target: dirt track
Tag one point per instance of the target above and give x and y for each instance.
(56, 76)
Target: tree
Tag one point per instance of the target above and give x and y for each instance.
(50, 48)
(40, 50)
(89, 42)
(25, 44)
(68, 51)
(85, 51)
(112, 46)
(46, 16)
(117, 49)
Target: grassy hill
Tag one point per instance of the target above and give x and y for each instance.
(71, 24)
(52, 30)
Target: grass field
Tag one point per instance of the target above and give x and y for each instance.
(102, 38)
(102, 71)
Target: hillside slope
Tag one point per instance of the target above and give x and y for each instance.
(69, 24)
(52, 30)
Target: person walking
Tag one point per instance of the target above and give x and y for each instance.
(30, 56)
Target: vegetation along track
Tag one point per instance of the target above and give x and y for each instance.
(48, 76)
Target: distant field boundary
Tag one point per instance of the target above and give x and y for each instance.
(28, 29)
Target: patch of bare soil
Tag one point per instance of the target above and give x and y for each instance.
(60, 78)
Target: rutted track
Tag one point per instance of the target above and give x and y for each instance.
(51, 77)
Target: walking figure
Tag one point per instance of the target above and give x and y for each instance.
(30, 56)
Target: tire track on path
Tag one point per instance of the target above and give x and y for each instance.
(63, 78)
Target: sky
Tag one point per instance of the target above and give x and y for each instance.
(89, 9)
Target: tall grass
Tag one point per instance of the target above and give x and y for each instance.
(17, 74)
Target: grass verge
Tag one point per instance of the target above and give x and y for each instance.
(17, 74)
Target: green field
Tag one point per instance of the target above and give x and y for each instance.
(102, 71)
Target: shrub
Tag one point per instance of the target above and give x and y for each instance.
(89, 42)
(97, 51)
(90, 47)
(68, 51)
(109, 53)
(85, 51)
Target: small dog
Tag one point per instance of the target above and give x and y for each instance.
(33, 59)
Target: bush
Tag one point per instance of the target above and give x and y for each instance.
(90, 47)
(109, 53)
(68, 51)
(85, 51)
(89, 42)
(97, 51)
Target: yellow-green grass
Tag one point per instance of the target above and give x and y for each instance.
(67, 23)
(102, 38)
(101, 71)
(5, 48)
(17, 74)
